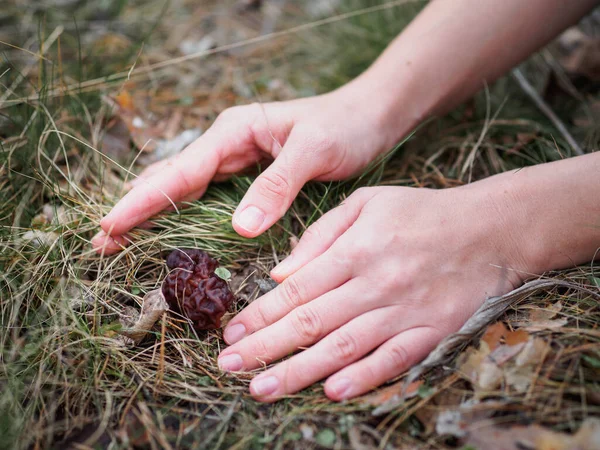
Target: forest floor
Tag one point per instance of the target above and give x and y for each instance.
(92, 91)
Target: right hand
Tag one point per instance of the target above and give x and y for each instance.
(328, 137)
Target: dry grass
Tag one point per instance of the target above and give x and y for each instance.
(64, 378)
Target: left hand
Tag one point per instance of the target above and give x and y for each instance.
(375, 285)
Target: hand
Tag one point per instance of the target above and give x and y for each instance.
(374, 286)
(324, 138)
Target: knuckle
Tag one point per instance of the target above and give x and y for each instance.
(323, 140)
(260, 313)
(184, 183)
(307, 324)
(362, 195)
(260, 350)
(342, 254)
(229, 113)
(370, 372)
(344, 346)
(360, 248)
(274, 185)
(314, 233)
(292, 293)
(360, 192)
(398, 355)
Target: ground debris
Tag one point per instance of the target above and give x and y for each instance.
(503, 357)
(581, 53)
(39, 238)
(155, 137)
(153, 307)
(533, 437)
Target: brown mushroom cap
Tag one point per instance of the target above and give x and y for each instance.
(193, 289)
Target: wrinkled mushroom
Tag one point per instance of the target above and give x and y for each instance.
(193, 289)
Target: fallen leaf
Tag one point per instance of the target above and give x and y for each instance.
(153, 307)
(505, 352)
(546, 325)
(516, 337)
(494, 334)
(472, 361)
(520, 375)
(512, 363)
(533, 437)
(489, 376)
(392, 392)
(39, 238)
(533, 352)
(125, 100)
(543, 314)
(458, 421)
(451, 423)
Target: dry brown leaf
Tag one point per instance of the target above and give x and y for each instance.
(505, 352)
(533, 352)
(543, 314)
(520, 375)
(391, 393)
(494, 334)
(516, 337)
(546, 325)
(534, 437)
(472, 359)
(513, 362)
(157, 135)
(458, 421)
(489, 376)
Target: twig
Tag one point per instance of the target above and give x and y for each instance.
(543, 106)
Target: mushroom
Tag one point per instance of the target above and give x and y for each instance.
(194, 290)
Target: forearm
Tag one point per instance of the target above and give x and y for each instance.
(453, 47)
(550, 212)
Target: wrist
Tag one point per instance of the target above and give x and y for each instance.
(499, 221)
(391, 113)
(546, 215)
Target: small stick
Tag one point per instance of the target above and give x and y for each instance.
(543, 106)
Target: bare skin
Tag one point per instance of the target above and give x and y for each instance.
(376, 283)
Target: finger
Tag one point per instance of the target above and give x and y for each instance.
(189, 173)
(321, 235)
(390, 360)
(151, 170)
(194, 195)
(302, 327)
(307, 284)
(109, 245)
(272, 193)
(337, 350)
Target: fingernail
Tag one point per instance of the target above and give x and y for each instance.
(231, 363)
(341, 388)
(234, 333)
(264, 386)
(99, 234)
(251, 218)
(284, 267)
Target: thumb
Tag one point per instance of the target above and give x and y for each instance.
(272, 193)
